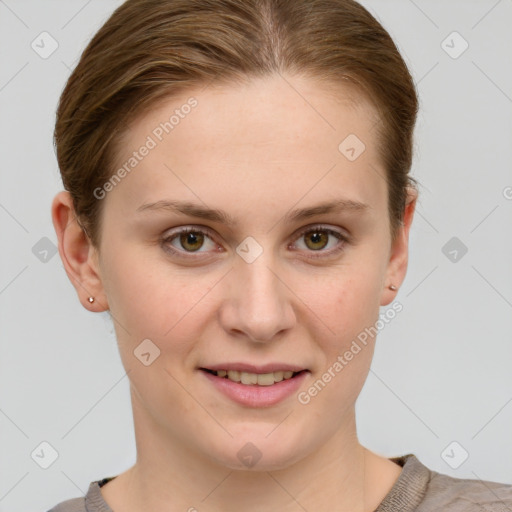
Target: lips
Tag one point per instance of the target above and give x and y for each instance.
(250, 375)
(255, 386)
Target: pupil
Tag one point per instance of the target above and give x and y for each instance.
(191, 241)
(317, 240)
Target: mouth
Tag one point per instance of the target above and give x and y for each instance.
(254, 379)
(255, 386)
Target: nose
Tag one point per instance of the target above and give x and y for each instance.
(258, 304)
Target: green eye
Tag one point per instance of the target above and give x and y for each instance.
(189, 240)
(192, 241)
(320, 242)
(316, 240)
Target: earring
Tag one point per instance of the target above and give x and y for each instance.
(91, 299)
(393, 287)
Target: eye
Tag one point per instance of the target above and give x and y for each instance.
(321, 239)
(314, 239)
(189, 240)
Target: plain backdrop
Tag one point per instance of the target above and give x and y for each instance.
(441, 381)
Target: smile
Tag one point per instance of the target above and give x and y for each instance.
(259, 379)
(260, 387)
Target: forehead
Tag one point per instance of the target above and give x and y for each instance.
(278, 136)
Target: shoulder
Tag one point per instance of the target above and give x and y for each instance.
(73, 505)
(420, 489)
(92, 502)
(446, 493)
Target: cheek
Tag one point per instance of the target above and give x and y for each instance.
(346, 302)
(170, 310)
(350, 309)
(154, 302)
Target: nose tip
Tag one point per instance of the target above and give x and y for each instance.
(258, 306)
(264, 332)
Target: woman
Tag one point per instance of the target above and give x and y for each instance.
(238, 198)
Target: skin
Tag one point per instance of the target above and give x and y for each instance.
(270, 151)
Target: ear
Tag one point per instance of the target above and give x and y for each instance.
(399, 254)
(79, 256)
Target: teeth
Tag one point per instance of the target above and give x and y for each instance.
(248, 378)
(278, 376)
(265, 379)
(261, 379)
(233, 375)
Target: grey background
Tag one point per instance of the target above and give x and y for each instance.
(441, 371)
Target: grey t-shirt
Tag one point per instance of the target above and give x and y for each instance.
(417, 489)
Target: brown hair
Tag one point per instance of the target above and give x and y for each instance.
(149, 50)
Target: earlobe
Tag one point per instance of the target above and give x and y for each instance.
(78, 255)
(399, 254)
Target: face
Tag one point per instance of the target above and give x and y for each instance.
(246, 239)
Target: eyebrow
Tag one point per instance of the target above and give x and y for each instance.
(215, 215)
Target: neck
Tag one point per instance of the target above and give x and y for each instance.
(170, 476)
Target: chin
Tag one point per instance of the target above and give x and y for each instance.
(260, 451)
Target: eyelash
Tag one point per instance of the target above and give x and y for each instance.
(343, 239)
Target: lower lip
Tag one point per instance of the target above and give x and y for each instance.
(253, 395)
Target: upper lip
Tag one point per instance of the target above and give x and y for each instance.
(251, 368)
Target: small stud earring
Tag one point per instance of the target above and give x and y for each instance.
(91, 299)
(393, 287)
